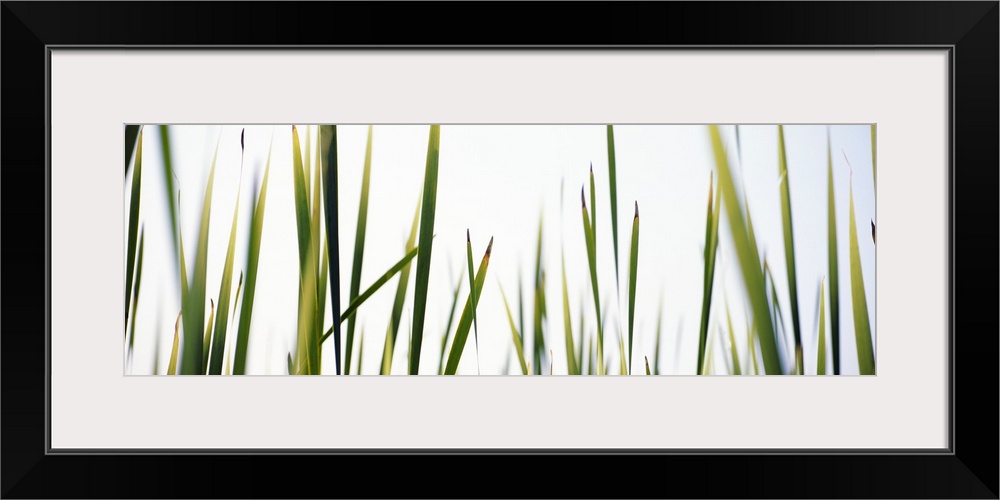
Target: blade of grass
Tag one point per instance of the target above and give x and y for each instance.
(131, 137)
(427, 210)
(207, 340)
(833, 260)
(328, 147)
(195, 321)
(874, 160)
(133, 225)
(583, 338)
(397, 305)
(135, 290)
(253, 261)
(571, 364)
(359, 246)
(168, 179)
(321, 255)
(361, 349)
(646, 358)
(732, 343)
(659, 335)
(821, 349)
(711, 247)
(538, 343)
(447, 329)
(386, 368)
(172, 365)
(786, 218)
(862, 327)
(748, 257)
(633, 266)
(752, 345)
(465, 321)
(472, 287)
(590, 355)
(613, 187)
(588, 232)
(623, 368)
(222, 320)
(518, 346)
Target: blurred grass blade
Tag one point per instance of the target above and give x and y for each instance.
(253, 260)
(862, 327)
(168, 180)
(748, 257)
(222, 320)
(397, 305)
(752, 345)
(590, 356)
(133, 225)
(207, 339)
(646, 358)
(447, 329)
(131, 137)
(359, 247)
(613, 187)
(572, 367)
(821, 350)
(328, 150)
(874, 161)
(518, 346)
(834, 271)
(465, 321)
(361, 349)
(588, 233)
(386, 368)
(711, 246)
(194, 307)
(659, 335)
(786, 219)
(623, 368)
(172, 365)
(427, 209)
(633, 266)
(135, 290)
(538, 343)
(472, 287)
(732, 343)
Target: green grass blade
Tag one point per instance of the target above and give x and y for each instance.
(538, 344)
(571, 364)
(613, 187)
(874, 160)
(447, 329)
(168, 179)
(131, 137)
(821, 349)
(748, 257)
(328, 150)
(786, 218)
(172, 365)
(222, 320)
(732, 343)
(588, 232)
(465, 321)
(633, 267)
(397, 305)
(711, 245)
(427, 209)
(623, 368)
(590, 356)
(646, 358)
(518, 346)
(752, 345)
(387, 348)
(361, 349)
(135, 290)
(833, 261)
(133, 225)
(583, 338)
(207, 339)
(305, 355)
(862, 327)
(659, 335)
(472, 286)
(194, 314)
(253, 261)
(359, 247)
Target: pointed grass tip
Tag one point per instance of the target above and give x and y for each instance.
(241, 139)
(636, 209)
(583, 198)
(468, 238)
(489, 249)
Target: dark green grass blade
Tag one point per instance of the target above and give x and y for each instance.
(834, 268)
(427, 210)
(172, 364)
(786, 218)
(397, 304)
(133, 225)
(135, 290)
(253, 262)
(711, 247)
(518, 345)
(821, 349)
(447, 329)
(862, 327)
(613, 187)
(472, 286)
(465, 321)
(359, 247)
(194, 314)
(328, 147)
(168, 180)
(588, 232)
(748, 257)
(572, 367)
(131, 137)
(632, 272)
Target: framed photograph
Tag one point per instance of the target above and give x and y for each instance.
(659, 246)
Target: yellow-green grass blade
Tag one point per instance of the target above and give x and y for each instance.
(447, 328)
(778, 317)
(427, 210)
(168, 179)
(386, 368)
(659, 335)
(732, 343)
(472, 286)
(752, 349)
(359, 247)
(253, 262)
(363, 296)
(874, 160)
(748, 257)
(786, 218)
(633, 268)
(301, 197)
(834, 268)
(862, 327)
(320, 254)
(590, 356)
(538, 344)
(593, 203)
(328, 151)
(518, 346)
(583, 335)
(172, 364)
(133, 226)
(588, 232)
(397, 305)
(465, 321)
(222, 319)
(291, 365)
(207, 339)
(622, 368)
(131, 137)
(135, 290)
(646, 358)
(361, 349)
(711, 245)
(236, 298)
(571, 364)
(821, 349)
(613, 187)
(520, 298)
(194, 313)
(306, 358)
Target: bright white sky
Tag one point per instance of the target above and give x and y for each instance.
(497, 181)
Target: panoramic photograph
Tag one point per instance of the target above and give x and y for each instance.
(453, 249)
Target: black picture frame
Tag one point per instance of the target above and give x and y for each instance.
(968, 30)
